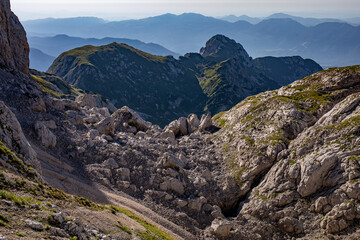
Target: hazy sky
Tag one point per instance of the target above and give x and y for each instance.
(127, 9)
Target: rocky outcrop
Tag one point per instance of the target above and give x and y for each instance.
(14, 49)
(12, 136)
(129, 120)
(297, 143)
(46, 137)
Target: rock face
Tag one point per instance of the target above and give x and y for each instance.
(12, 136)
(47, 138)
(164, 89)
(14, 49)
(298, 142)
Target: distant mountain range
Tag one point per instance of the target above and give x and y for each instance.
(330, 44)
(309, 22)
(46, 49)
(40, 60)
(163, 88)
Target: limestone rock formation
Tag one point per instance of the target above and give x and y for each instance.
(12, 136)
(14, 49)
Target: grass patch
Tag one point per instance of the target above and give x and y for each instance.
(16, 162)
(3, 218)
(19, 234)
(249, 140)
(87, 203)
(123, 228)
(152, 232)
(18, 200)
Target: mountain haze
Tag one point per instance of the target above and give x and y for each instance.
(58, 44)
(189, 32)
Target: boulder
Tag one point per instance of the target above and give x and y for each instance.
(123, 174)
(55, 103)
(167, 134)
(86, 100)
(37, 226)
(46, 137)
(205, 122)
(173, 184)
(111, 163)
(193, 123)
(38, 105)
(178, 127)
(126, 117)
(106, 126)
(197, 203)
(183, 126)
(221, 227)
(92, 134)
(70, 104)
(291, 225)
(170, 161)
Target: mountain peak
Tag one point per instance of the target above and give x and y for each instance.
(221, 48)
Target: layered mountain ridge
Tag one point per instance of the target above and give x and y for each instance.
(275, 36)
(212, 81)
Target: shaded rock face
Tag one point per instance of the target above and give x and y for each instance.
(12, 136)
(284, 69)
(14, 49)
(220, 48)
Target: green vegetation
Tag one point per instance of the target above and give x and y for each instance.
(249, 140)
(145, 235)
(47, 87)
(20, 234)
(277, 138)
(123, 228)
(21, 201)
(55, 86)
(87, 203)
(152, 232)
(262, 197)
(291, 161)
(212, 81)
(16, 162)
(3, 218)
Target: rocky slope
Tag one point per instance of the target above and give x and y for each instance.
(294, 154)
(279, 165)
(164, 88)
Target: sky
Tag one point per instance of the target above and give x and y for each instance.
(135, 9)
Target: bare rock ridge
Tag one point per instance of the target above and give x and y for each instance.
(14, 49)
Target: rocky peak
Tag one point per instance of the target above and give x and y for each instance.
(222, 48)
(14, 49)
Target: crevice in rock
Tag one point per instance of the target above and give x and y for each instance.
(235, 209)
